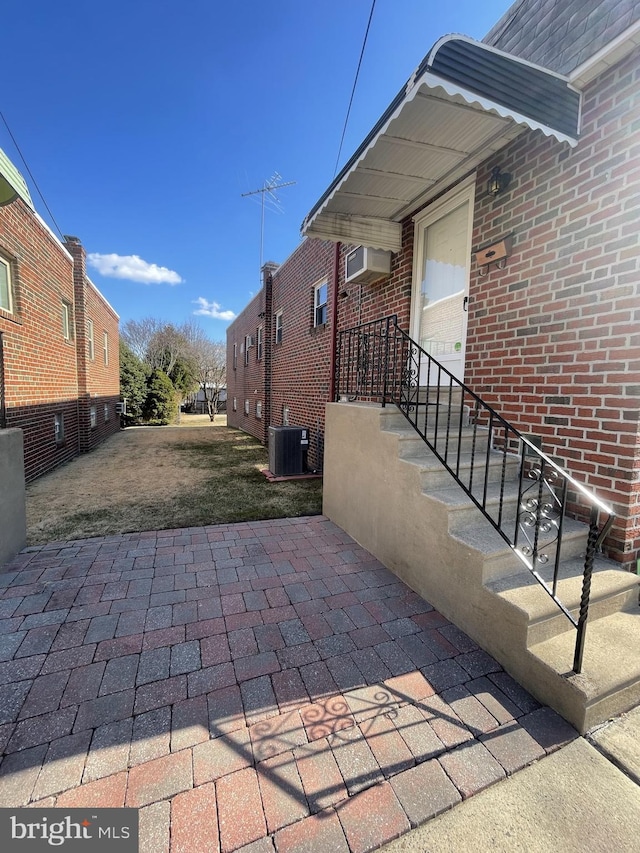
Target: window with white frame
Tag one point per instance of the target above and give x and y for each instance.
(246, 407)
(259, 343)
(66, 320)
(93, 417)
(258, 409)
(235, 404)
(248, 343)
(320, 304)
(285, 416)
(6, 302)
(105, 347)
(107, 414)
(279, 327)
(90, 340)
(235, 356)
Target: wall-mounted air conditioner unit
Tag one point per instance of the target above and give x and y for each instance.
(364, 264)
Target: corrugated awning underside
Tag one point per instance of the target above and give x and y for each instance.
(465, 102)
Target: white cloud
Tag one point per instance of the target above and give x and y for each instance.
(212, 309)
(133, 268)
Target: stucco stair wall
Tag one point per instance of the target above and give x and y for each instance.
(408, 511)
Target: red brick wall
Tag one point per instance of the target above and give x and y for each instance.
(246, 375)
(300, 364)
(40, 366)
(554, 338)
(98, 377)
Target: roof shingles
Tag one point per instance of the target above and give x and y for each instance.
(561, 34)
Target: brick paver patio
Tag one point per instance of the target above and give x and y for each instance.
(268, 684)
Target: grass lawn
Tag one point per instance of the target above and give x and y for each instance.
(158, 478)
(236, 489)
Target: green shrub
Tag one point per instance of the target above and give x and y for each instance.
(159, 407)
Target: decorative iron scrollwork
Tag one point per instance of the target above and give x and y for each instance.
(539, 515)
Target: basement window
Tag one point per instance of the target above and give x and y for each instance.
(93, 417)
(58, 427)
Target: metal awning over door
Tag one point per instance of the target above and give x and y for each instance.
(463, 103)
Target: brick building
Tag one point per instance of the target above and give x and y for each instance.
(59, 358)
(279, 349)
(548, 336)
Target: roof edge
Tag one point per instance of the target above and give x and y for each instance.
(609, 55)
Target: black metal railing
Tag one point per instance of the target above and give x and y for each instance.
(522, 492)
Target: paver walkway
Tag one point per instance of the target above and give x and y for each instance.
(267, 684)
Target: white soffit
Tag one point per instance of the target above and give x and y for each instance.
(434, 133)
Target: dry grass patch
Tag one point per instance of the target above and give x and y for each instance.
(155, 478)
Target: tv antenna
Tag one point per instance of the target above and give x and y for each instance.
(268, 195)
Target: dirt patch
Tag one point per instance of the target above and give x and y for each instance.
(154, 478)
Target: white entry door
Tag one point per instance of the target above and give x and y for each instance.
(441, 282)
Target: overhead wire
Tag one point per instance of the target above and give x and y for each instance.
(353, 89)
(30, 173)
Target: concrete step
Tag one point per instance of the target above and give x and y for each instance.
(610, 681)
(433, 474)
(612, 590)
(426, 417)
(498, 499)
(500, 559)
(412, 445)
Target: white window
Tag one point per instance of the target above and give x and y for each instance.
(90, 342)
(66, 321)
(93, 417)
(248, 343)
(5, 286)
(246, 407)
(58, 427)
(105, 347)
(320, 304)
(285, 416)
(279, 327)
(259, 343)
(235, 404)
(106, 412)
(258, 410)
(235, 356)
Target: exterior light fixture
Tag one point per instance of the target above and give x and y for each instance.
(498, 182)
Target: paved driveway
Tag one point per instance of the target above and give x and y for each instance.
(265, 683)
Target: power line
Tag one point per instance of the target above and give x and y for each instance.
(29, 172)
(353, 90)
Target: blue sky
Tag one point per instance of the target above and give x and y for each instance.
(144, 121)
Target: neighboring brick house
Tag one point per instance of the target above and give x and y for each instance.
(549, 337)
(59, 358)
(279, 349)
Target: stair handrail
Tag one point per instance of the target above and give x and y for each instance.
(380, 362)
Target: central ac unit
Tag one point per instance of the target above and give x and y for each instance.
(364, 264)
